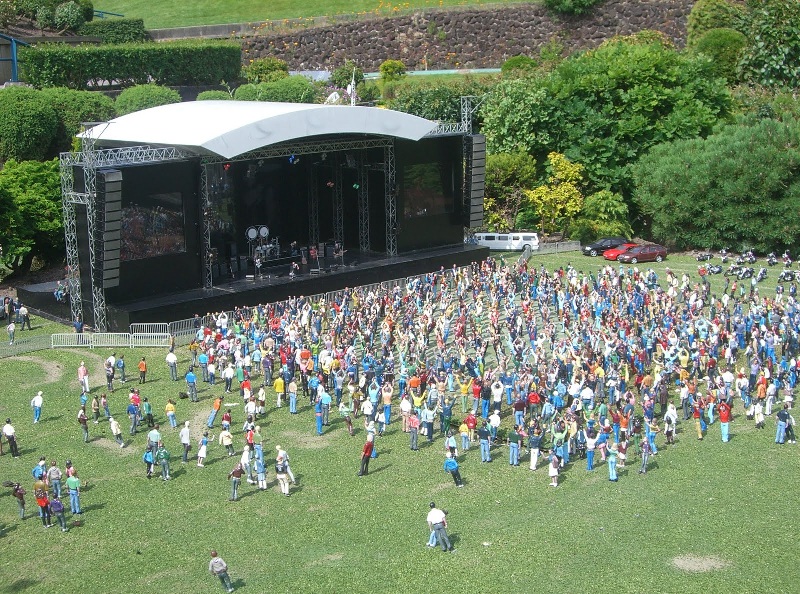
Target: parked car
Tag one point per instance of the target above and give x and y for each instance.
(644, 253)
(512, 241)
(601, 245)
(614, 253)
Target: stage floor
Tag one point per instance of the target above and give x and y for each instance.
(276, 285)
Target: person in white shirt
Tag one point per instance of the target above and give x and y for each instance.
(172, 363)
(36, 404)
(437, 522)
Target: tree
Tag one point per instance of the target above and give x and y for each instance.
(28, 124)
(143, 97)
(773, 56)
(738, 187)
(508, 176)
(343, 75)
(604, 213)
(606, 107)
(36, 229)
(561, 196)
(392, 70)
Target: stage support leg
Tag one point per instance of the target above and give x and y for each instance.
(313, 207)
(338, 204)
(390, 196)
(205, 217)
(363, 203)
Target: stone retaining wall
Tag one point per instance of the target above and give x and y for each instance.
(468, 38)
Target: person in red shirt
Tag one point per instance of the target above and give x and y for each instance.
(724, 410)
(366, 454)
(697, 413)
(472, 423)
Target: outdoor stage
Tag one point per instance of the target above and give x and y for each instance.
(164, 218)
(274, 285)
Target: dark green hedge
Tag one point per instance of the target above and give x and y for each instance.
(191, 62)
(116, 31)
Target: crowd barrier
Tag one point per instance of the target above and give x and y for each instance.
(181, 332)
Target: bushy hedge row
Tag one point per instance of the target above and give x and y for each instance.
(116, 31)
(37, 125)
(192, 62)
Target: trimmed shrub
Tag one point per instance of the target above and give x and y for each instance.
(73, 108)
(88, 10)
(571, 6)
(262, 70)
(392, 70)
(29, 8)
(214, 96)
(28, 124)
(69, 15)
(518, 66)
(712, 14)
(143, 97)
(45, 17)
(292, 89)
(724, 47)
(117, 31)
(8, 13)
(190, 62)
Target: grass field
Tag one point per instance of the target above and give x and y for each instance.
(726, 508)
(183, 13)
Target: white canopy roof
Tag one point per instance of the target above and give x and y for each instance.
(231, 128)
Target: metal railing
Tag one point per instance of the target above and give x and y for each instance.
(181, 332)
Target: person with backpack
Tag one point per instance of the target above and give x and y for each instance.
(162, 457)
(44, 506)
(281, 469)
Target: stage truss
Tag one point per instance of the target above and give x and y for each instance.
(333, 147)
(90, 161)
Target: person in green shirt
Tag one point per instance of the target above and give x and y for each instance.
(147, 411)
(162, 457)
(74, 487)
(514, 441)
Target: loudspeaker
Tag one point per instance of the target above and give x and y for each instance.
(474, 179)
(108, 220)
(329, 249)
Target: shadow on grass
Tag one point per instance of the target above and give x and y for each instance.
(93, 506)
(5, 529)
(238, 583)
(20, 585)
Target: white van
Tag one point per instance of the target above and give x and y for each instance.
(509, 242)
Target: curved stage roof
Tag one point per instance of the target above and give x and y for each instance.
(232, 128)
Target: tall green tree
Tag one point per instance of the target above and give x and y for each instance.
(604, 213)
(606, 107)
(737, 188)
(773, 56)
(30, 204)
(508, 175)
(560, 197)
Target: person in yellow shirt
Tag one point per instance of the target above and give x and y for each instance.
(464, 388)
(170, 411)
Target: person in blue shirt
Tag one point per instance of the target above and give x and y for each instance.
(451, 466)
(202, 359)
(325, 401)
(191, 384)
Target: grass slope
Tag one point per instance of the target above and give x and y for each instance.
(182, 13)
(342, 533)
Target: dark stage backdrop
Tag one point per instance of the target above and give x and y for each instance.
(429, 179)
(160, 235)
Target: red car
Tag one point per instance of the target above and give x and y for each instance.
(644, 253)
(614, 253)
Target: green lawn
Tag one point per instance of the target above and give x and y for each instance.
(342, 533)
(182, 13)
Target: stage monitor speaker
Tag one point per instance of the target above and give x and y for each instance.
(475, 182)
(109, 224)
(329, 250)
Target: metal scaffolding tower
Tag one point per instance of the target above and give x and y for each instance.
(338, 202)
(90, 161)
(363, 202)
(390, 196)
